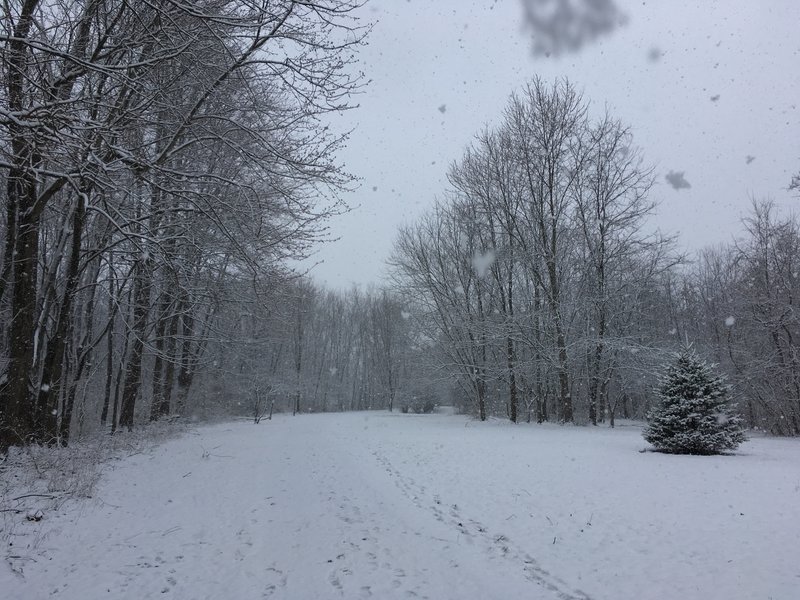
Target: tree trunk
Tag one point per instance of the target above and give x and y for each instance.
(563, 379)
(481, 389)
(142, 285)
(594, 382)
(169, 373)
(52, 371)
(112, 313)
(21, 418)
(159, 364)
(122, 369)
(189, 355)
(512, 381)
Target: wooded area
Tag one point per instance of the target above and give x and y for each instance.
(163, 164)
(551, 295)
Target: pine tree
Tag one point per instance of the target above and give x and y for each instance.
(693, 416)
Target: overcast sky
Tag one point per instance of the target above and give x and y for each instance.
(709, 88)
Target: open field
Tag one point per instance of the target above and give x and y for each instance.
(381, 505)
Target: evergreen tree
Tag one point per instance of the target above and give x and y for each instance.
(693, 416)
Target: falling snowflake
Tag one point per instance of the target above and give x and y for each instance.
(405, 315)
(568, 25)
(730, 321)
(483, 262)
(443, 108)
(677, 180)
(654, 54)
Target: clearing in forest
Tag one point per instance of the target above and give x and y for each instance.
(382, 505)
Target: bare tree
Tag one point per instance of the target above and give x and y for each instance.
(547, 127)
(612, 207)
(145, 122)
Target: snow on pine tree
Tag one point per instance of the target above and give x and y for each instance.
(693, 416)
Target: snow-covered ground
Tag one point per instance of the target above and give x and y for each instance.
(386, 505)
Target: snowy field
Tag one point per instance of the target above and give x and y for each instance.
(386, 505)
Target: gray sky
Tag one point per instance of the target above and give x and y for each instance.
(710, 89)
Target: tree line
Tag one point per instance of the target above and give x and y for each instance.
(314, 350)
(161, 162)
(539, 289)
(551, 295)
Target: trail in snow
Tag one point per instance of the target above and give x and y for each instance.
(398, 506)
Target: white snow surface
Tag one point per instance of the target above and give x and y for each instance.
(384, 505)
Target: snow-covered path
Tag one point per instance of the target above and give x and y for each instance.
(398, 506)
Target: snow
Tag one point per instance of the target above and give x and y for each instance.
(482, 262)
(431, 506)
(677, 180)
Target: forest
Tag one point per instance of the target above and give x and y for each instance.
(165, 165)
